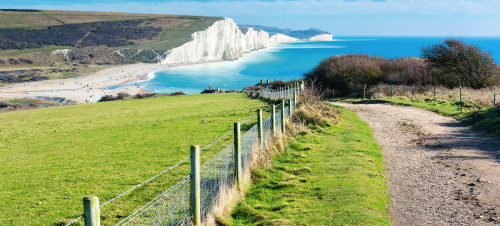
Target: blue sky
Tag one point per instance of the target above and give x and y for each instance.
(341, 17)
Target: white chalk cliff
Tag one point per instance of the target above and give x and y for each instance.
(322, 37)
(224, 41)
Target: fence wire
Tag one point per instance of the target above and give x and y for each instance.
(248, 142)
(216, 175)
(267, 128)
(276, 94)
(172, 207)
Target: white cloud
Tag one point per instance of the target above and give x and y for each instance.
(299, 7)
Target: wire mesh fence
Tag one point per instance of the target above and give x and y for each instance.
(169, 208)
(286, 93)
(216, 176)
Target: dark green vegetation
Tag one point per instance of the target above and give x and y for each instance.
(29, 38)
(51, 158)
(327, 176)
(451, 64)
(301, 34)
(459, 64)
(17, 105)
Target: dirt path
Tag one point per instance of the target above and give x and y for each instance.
(439, 171)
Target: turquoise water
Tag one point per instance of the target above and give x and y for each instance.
(290, 61)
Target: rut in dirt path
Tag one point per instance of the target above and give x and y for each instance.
(439, 171)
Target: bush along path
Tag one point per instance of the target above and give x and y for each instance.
(330, 174)
(439, 171)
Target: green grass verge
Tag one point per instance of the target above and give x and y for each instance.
(331, 176)
(481, 118)
(51, 158)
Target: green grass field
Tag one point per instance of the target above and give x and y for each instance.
(331, 176)
(51, 158)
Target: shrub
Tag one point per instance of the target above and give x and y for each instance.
(405, 71)
(233, 91)
(122, 96)
(253, 88)
(345, 72)
(461, 64)
(276, 84)
(177, 93)
(107, 98)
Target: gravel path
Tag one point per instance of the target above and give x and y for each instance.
(439, 171)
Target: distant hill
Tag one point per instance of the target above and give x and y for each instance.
(300, 34)
(47, 37)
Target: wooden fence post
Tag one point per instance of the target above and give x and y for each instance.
(461, 108)
(494, 105)
(294, 100)
(364, 92)
(290, 107)
(411, 93)
(273, 119)
(434, 92)
(195, 185)
(237, 154)
(283, 119)
(91, 211)
(391, 90)
(260, 128)
(378, 92)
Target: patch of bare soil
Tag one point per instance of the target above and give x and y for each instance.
(439, 171)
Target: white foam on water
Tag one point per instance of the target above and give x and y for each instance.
(354, 40)
(312, 46)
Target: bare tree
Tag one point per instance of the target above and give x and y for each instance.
(460, 64)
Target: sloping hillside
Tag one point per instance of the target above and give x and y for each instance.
(32, 37)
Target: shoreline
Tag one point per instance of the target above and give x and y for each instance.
(90, 88)
(85, 89)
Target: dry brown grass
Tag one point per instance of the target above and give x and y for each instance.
(311, 110)
(473, 97)
(229, 196)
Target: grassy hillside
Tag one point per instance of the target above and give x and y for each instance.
(51, 158)
(29, 37)
(331, 176)
(45, 18)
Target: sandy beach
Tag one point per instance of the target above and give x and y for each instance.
(84, 89)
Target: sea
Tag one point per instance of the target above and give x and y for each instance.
(289, 61)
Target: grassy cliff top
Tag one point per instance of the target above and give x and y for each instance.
(45, 18)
